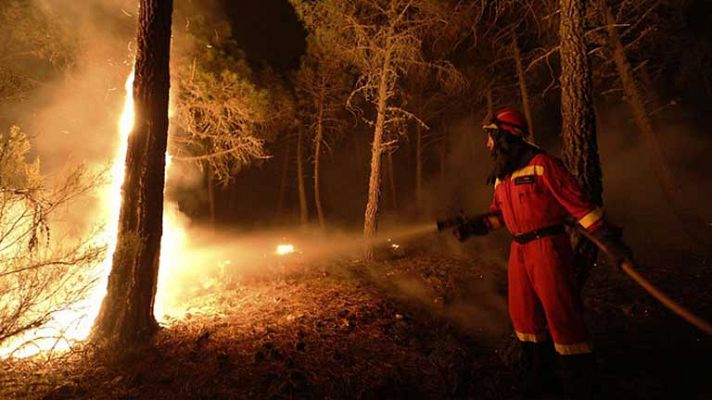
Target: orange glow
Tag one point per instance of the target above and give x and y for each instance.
(284, 249)
(74, 324)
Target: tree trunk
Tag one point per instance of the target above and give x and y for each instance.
(672, 191)
(580, 149)
(370, 224)
(126, 314)
(392, 181)
(419, 165)
(318, 139)
(283, 181)
(303, 210)
(522, 86)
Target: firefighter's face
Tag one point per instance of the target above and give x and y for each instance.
(492, 132)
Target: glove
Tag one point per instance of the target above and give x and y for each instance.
(470, 227)
(612, 237)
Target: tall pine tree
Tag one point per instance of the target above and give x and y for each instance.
(126, 314)
(580, 148)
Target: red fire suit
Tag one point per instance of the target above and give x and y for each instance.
(541, 280)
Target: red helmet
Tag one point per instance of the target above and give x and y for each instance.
(510, 120)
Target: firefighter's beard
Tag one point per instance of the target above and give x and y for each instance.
(509, 154)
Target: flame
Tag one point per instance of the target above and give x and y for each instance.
(174, 241)
(178, 261)
(284, 249)
(74, 324)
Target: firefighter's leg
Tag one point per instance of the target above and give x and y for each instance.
(553, 279)
(524, 307)
(536, 361)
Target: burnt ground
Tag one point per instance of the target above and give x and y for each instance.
(420, 324)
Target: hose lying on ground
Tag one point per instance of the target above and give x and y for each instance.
(629, 268)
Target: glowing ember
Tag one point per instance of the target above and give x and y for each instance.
(284, 249)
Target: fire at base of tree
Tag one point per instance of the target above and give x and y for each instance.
(239, 199)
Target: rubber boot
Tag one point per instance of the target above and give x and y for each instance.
(537, 364)
(579, 376)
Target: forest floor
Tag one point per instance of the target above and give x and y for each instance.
(417, 324)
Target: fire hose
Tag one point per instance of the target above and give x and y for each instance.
(631, 270)
(627, 265)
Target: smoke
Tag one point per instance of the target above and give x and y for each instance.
(72, 114)
(632, 193)
(232, 256)
(416, 267)
(73, 117)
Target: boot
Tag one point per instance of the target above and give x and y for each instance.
(579, 376)
(537, 364)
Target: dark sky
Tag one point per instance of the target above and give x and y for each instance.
(268, 31)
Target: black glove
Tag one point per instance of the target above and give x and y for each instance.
(612, 237)
(470, 227)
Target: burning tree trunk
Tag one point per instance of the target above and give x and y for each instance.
(303, 210)
(522, 85)
(318, 139)
(126, 314)
(642, 119)
(580, 149)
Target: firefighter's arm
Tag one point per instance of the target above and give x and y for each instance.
(493, 220)
(482, 224)
(566, 190)
(568, 193)
(479, 225)
(464, 227)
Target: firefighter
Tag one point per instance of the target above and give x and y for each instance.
(534, 194)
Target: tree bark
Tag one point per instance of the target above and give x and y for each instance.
(522, 86)
(318, 139)
(392, 181)
(370, 225)
(580, 148)
(126, 314)
(671, 190)
(303, 210)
